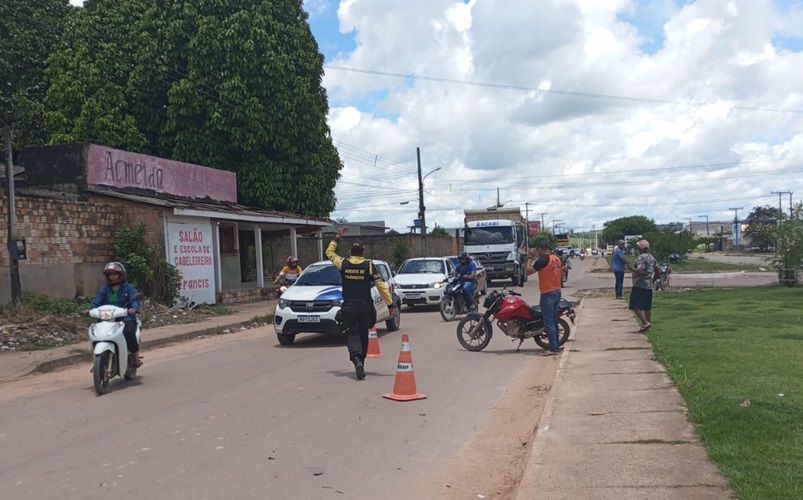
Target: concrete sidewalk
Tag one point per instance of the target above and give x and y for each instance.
(17, 364)
(614, 425)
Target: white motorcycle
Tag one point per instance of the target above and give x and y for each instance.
(111, 351)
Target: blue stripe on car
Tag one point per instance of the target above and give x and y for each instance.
(333, 293)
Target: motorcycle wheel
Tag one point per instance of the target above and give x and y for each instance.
(563, 334)
(132, 369)
(99, 375)
(478, 342)
(447, 306)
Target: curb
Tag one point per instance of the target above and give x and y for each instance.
(526, 486)
(77, 358)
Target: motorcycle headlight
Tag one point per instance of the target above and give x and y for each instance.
(283, 303)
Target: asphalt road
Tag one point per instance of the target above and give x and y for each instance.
(246, 418)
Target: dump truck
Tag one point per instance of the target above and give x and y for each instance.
(498, 237)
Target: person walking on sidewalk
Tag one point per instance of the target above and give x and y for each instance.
(619, 264)
(358, 275)
(641, 294)
(549, 269)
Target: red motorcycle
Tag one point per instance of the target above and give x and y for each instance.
(515, 318)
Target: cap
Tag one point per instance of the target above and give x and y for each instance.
(620, 242)
(643, 244)
(357, 246)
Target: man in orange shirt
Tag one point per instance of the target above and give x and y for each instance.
(549, 269)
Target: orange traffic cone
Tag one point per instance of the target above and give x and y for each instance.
(404, 386)
(373, 344)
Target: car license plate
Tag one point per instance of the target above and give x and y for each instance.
(413, 295)
(309, 319)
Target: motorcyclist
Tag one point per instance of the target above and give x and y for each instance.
(466, 271)
(289, 272)
(119, 292)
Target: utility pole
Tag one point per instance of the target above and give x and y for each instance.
(527, 210)
(790, 205)
(542, 214)
(498, 203)
(780, 206)
(736, 222)
(421, 207)
(14, 267)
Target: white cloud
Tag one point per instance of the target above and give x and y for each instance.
(583, 160)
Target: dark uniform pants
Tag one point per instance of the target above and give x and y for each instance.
(358, 316)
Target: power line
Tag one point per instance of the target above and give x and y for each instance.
(589, 95)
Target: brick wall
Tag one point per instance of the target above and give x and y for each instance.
(69, 238)
(380, 247)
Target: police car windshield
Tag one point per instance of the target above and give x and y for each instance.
(319, 276)
(489, 235)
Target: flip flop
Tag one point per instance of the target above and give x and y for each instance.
(645, 328)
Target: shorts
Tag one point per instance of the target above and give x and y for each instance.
(641, 299)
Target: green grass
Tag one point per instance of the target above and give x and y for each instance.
(692, 265)
(267, 318)
(219, 310)
(724, 347)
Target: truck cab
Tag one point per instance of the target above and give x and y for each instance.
(498, 238)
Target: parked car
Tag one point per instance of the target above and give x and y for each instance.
(312, 304)
(482, 276)
(420, 280)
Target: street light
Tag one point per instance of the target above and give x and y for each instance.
(554, 223)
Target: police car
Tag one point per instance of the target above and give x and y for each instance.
(312, 303)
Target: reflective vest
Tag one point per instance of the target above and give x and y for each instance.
(357, 280)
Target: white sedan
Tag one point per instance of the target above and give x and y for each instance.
(419, 281)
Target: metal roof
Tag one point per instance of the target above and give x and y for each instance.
(218, 210)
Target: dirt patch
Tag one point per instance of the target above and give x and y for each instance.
(493, 462)
(29, 330)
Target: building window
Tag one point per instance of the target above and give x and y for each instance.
(228, 239)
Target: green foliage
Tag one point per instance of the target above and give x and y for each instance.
(29, 31)
(788, 262)
(668, 241)
(706, 240)
(232, 84)
(133, 251)
(762, 226)
(617, 229)
(145, 267)
(392, 231)
(550, 238)
(47, 305)
(744, 397)
(400, 254)
(439, 231)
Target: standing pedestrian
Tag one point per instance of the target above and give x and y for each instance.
(641, 294)
(619, 264)
(358, 275)
(549, 269)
